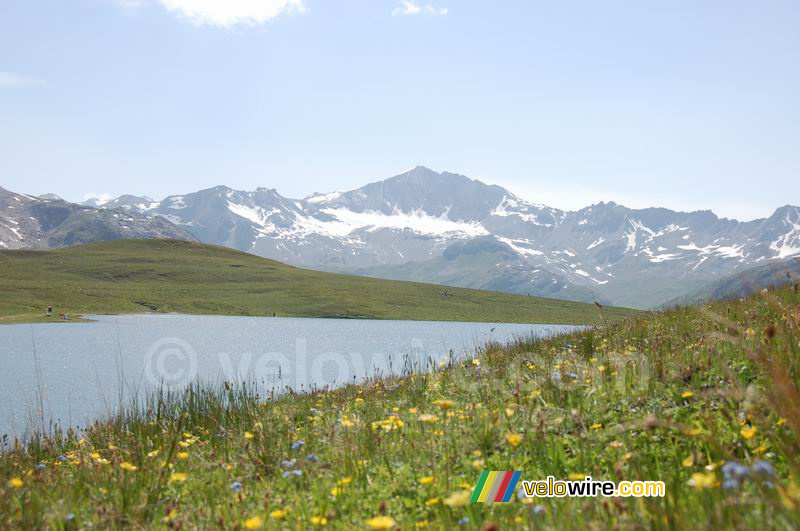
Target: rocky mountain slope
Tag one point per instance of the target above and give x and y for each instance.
(450, 229)
(49, 221)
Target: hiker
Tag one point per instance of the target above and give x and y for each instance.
(49, 310)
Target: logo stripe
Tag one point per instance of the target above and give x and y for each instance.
(498, 480)
(479, 487)
(511, 486)
(487, 486)
(501, 492)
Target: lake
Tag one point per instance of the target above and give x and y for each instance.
(72, 374)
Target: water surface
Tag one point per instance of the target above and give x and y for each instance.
(74, 373)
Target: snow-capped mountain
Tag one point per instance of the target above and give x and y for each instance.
(446, 228)
(49, 221)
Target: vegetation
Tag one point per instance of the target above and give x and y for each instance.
(132, 276)
(705, 399)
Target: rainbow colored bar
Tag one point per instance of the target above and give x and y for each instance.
(495, 487)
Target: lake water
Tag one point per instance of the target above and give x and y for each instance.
(74, 373)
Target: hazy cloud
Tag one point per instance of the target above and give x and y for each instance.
(408, 7)
(12, 80)
(227, 13)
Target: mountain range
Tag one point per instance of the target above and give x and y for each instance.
(447, 228)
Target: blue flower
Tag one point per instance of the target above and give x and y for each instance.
(236, 486)
(62, 458)
(730, 484)
(41, 466)
(298, 444)
(70, 517)
(734, 470)
(464, 521)
(288, 463)
(312, 458)
(295, 472)
(539, 509)
(762, 469)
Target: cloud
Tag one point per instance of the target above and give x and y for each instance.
(229, 13)
(12, 80)
(408, 7)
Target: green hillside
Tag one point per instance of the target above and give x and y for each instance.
(133, 276)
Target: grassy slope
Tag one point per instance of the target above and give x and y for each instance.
(128, 276)
(670, 397)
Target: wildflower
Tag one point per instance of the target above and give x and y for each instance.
(359, 400)
(781, 421)
(443, 404)
(412, 410)
(128, 467)
(319, 520)
(183, 455)
(298, 444)
(296, 472)
(694, 432)
(539, 509)
(381, 522)
(278, 514)
(427, 480)
(236, 487)
(345, 481)
(15, 483)
(346, 422)
(335, 491)
(762, 469)
(431, 502)
(178, 476)
(509, 411)
(703, 480)
(687, 394)
(476, 362)
(464, 520)
(312, 458)
(596, 426)
(288, 463)
(391, 423)
(254, 522)
(152, 453)
(749, 432)
(477, 464)
(428, 418)
(730, 484)
(421, 524)
(514, 439)
(734, 470)
(458, 499)
(70, 517)
(172, 514)
(248, 435)
(689, 461)
(616, 445)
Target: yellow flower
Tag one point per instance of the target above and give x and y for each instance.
(178, 476)
(184, 444)
(248, 435)
(421, 524)
(335, 491)
(346, 422)
(443, 404)
(432, 502)
(428, 418)
(458, 499)
(694, 432)
(749, 432)
(519, 519)
(152, 453)
(319, 520)
(427, 480)
(514, 439)
(601, 368)
(596, 426)
(509, 411)
(359, 400)
(704, 480)
(689, 461)
(345, 481)
(254, 522)
(687, 394)
(412, 410)
(477, 464)
(15, 483)
(128, 467)
(381, 522)
(171, 515)
(781, 422)
(183, 455)
(278, 514)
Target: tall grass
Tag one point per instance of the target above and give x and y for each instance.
(676, 396)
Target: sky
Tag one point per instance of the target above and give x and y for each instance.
(687, 104)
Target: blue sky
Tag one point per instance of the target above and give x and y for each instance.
(688, 104)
